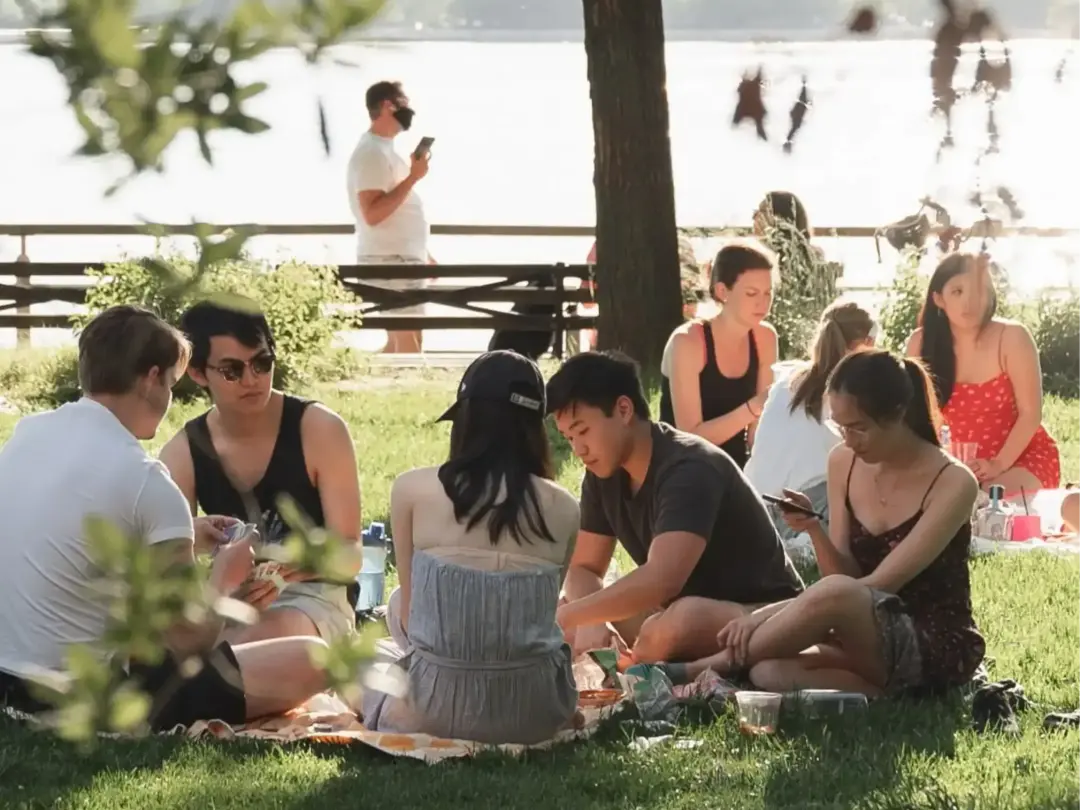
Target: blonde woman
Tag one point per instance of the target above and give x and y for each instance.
(793, 439)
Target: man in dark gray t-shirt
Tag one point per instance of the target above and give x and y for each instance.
(705, 546)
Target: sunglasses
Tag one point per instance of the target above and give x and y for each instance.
(233, 370)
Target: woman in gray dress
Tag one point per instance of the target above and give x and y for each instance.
(482, 543)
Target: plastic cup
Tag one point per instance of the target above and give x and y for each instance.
(759, 712)
(1025, 527)
(965, 452)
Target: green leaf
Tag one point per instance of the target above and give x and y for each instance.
(129, 709)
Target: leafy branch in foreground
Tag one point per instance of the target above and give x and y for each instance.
(147, 595)
(134, 88)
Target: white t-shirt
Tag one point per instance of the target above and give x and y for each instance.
(58, 468)
(790, 449)
(376, 166)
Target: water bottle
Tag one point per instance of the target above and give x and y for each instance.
(946, 439)
(372, 576)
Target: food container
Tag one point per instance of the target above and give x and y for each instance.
(825, 702)
(759, 712)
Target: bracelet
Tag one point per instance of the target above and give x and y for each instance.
(755, 415)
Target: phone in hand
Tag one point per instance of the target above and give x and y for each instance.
(238, 531)
(786, 505)
(423, 149)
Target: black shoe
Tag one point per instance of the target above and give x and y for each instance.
(994, 707)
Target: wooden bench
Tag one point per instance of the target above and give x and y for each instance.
(544, 297)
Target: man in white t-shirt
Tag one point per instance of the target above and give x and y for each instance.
(391, 227)
(84, 460)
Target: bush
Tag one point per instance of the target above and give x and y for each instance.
(900, 313)
(1057, 334)
(807, 287)
(44, 378)
(302, 303)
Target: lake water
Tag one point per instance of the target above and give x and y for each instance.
(514, 146)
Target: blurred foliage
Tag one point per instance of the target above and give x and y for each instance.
(305, 306)
(147, 594)
(134, 88)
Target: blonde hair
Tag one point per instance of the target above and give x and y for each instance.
(842, 324)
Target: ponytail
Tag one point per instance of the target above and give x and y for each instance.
(841, 326)
(922, 415)
(888, 389)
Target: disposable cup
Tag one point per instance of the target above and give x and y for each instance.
(965, 452)
(759, 712)
(1025, 527)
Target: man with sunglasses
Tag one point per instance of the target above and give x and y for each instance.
(256, 444)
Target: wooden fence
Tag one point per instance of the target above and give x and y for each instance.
(501, 281)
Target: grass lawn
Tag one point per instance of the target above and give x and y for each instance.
(898, 755)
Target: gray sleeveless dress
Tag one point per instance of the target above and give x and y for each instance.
(483, 657)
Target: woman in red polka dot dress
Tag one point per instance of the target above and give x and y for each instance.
(988, 378)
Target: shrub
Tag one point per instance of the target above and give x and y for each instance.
(1057, 334)
(303, 305)
(807, 287)
(43, 378)
(899, 314)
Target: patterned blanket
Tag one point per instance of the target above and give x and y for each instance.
(328, 719)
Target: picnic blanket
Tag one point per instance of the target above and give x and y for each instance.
(326, 718)
(1063, 545)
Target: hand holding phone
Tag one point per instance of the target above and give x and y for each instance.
(789, 505)
(423, 149)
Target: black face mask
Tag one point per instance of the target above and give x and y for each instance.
(404, 116)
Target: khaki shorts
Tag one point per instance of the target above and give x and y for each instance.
(396, 284)
(326, 606)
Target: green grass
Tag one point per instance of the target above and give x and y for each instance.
(898, 755)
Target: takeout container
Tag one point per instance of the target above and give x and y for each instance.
(759, 712)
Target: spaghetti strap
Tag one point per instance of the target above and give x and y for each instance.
(922, 503)
(847, 486)
(1001, 341)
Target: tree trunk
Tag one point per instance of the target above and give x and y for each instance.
(637, 272)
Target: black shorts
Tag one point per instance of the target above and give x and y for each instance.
(215, 692)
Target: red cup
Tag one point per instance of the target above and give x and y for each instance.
(1025, 527)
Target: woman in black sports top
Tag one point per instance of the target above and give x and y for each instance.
(721, 368)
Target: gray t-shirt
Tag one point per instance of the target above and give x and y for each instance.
(694, 486)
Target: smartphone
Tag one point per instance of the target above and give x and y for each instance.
(238, 531)
(790, 506)
(424, 147)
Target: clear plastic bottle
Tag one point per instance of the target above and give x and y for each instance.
(946, 439)
(372, 576)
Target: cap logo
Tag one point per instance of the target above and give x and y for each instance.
(525, 402)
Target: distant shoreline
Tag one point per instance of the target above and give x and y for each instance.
(402, 34)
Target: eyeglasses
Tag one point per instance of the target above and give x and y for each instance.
(233, 370)
(846, 432)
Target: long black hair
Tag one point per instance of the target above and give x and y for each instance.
(495, 449)
(938, 351)
(888, 388)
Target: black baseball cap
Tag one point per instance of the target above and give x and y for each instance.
(502, 376)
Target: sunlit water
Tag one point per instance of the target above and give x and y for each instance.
(514, 146)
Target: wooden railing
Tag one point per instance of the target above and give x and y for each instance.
(23, 293)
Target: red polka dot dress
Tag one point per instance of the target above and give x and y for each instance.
(986, 413)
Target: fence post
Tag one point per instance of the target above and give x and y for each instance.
(22, 334)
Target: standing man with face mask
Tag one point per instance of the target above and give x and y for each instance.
(391, 227)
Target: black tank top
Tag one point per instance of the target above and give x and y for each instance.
(719, 394)
(285, 474)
